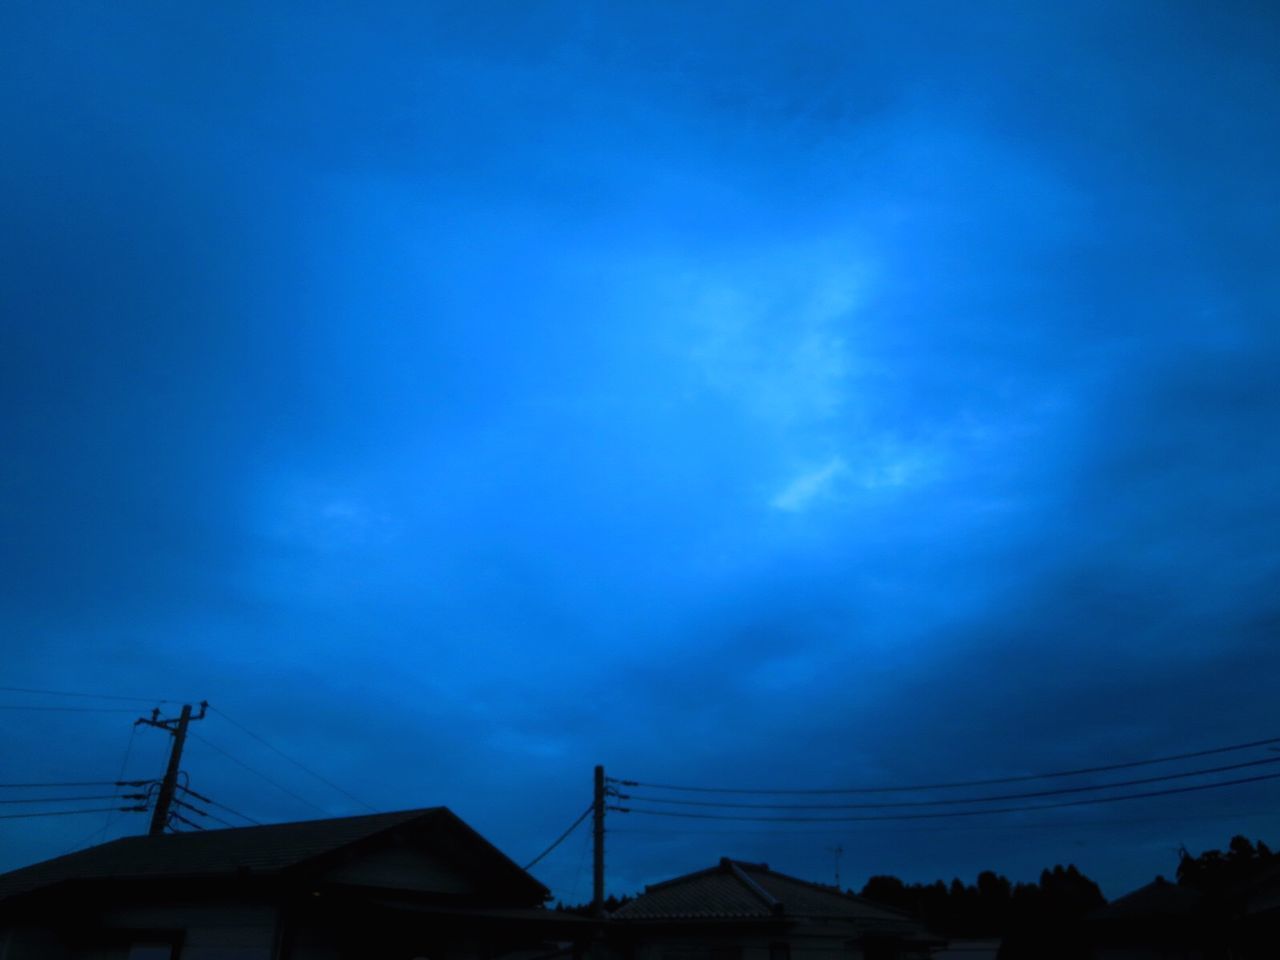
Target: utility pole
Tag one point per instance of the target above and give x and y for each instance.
(837, 851)
(597, 865)
(177, 728)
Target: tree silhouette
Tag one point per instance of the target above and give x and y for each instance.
(1215, 872)
(992, 907)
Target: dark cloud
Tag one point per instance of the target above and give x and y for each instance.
(810, 396)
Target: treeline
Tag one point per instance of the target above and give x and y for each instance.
(1219, 872)
(991, 907)
(1039, 921)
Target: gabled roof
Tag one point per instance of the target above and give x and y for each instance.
(737, 890)
(302, 848)
(1159, 899)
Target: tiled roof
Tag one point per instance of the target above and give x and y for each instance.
(737, 890)
(227, 853)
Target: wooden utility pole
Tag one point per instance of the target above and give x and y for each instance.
(177, 728)
(597, 865)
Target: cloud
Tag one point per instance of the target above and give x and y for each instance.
(800, 493)
(770, 331)
(490, 388)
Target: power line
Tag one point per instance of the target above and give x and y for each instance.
(297, 763)
(218, 819)
(203, 813)
(124, 766)
(723, 804)
(949, 813)
(232, 810)
(259, 773)
(104, 796)
(564, 836)
(191, 823)
(191, 807)
(87, 696)
(1061, 825)
(77, 783)
(66, 813)
(185, 788)
(42, 709)
(956, 783)
(582, 860)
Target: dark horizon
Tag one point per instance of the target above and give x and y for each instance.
(820, 396)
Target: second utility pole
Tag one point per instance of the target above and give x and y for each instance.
(597, 864)
(178, 730)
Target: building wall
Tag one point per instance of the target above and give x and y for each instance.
(204, 932)
(21, 942)
(227, 931)
(804, 941)
(747, 947)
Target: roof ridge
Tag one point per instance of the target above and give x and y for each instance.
(828, 889)
(179, 839)
(663, 884)
(407, 814)
(773, 903)
(283, 849)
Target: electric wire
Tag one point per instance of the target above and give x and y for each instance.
(232, 810)
(258, 773)
(956, 783)
(58, 813)
(101, 796)
(950, 813)
(179, 817)
(86, 696)
(217, 819)
(827, 832)
(582, 860)
(44, 709)
(187, 806)
(1005, 825)
(953, 801)
(564, 836)
(77, 783)
(187, 789)
(297, 763)
(124, 765)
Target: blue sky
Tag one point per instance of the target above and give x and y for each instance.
(776, 394)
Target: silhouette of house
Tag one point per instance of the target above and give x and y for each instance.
(1172, 920)
(745, 911)
(417, 883)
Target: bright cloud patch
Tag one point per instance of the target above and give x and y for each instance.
(801, 492)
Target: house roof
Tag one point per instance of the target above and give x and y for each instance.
(270, 850)
(737, 890)
(1158, 899)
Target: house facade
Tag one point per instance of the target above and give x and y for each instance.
(1171, 921)
(393, 886)
(745, 911)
